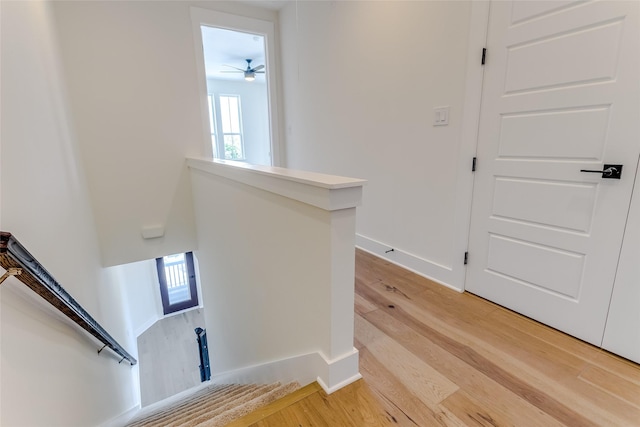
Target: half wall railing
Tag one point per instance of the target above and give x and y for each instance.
(20, 263)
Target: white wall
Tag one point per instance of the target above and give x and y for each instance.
(277, 272)
(132, 78)
(244, 270)
(360, 81)
(255, 115)
(51, 372)
(140, 288)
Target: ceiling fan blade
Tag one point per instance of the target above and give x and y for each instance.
(259, 67)
(259, 72)
(235, 68)
(226, 71)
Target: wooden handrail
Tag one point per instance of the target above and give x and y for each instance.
(14, 256)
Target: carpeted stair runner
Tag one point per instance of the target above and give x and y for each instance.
(215, 406)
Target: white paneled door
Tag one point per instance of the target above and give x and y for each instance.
(561, 94)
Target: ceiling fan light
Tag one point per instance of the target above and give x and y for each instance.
(248, 76)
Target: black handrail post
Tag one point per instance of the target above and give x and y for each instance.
(203, 350)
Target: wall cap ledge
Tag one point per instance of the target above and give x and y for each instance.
(328, 192)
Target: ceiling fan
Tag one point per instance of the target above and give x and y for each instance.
(249, 73)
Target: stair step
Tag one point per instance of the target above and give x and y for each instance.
(214, 406)
(258, 401)
(276, 406)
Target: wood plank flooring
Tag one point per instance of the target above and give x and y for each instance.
(430, 356)
(168, 356)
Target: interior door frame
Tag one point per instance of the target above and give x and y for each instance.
(478, 31)
(243, 24)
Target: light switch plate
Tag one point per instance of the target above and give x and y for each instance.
(441, 116)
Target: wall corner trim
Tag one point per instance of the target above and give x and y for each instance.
(340, 371)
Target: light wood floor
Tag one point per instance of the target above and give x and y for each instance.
(433, 357)
(169, 357)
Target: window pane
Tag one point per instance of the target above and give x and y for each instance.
(234, 115)
(231, 127)
(212, 122)
(225, 114)
(175, 270)
(233, 147)
(230, 112)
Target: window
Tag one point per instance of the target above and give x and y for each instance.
(231, 127)
(177, 277)
(226, 127)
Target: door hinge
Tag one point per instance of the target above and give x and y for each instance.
(484, 55)
(466, 258)
(473, 164)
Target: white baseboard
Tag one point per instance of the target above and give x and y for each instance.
(297, 368)
(332, 375)
(338, 386)
(340, 371)
(438, 273)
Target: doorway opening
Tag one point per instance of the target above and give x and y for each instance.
(238, 87)
(237, 95)
(177, 279)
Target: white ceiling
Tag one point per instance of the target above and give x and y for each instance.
(231, 48)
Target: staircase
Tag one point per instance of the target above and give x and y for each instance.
(213, 406)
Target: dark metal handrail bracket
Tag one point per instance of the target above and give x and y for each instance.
(15, 258)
